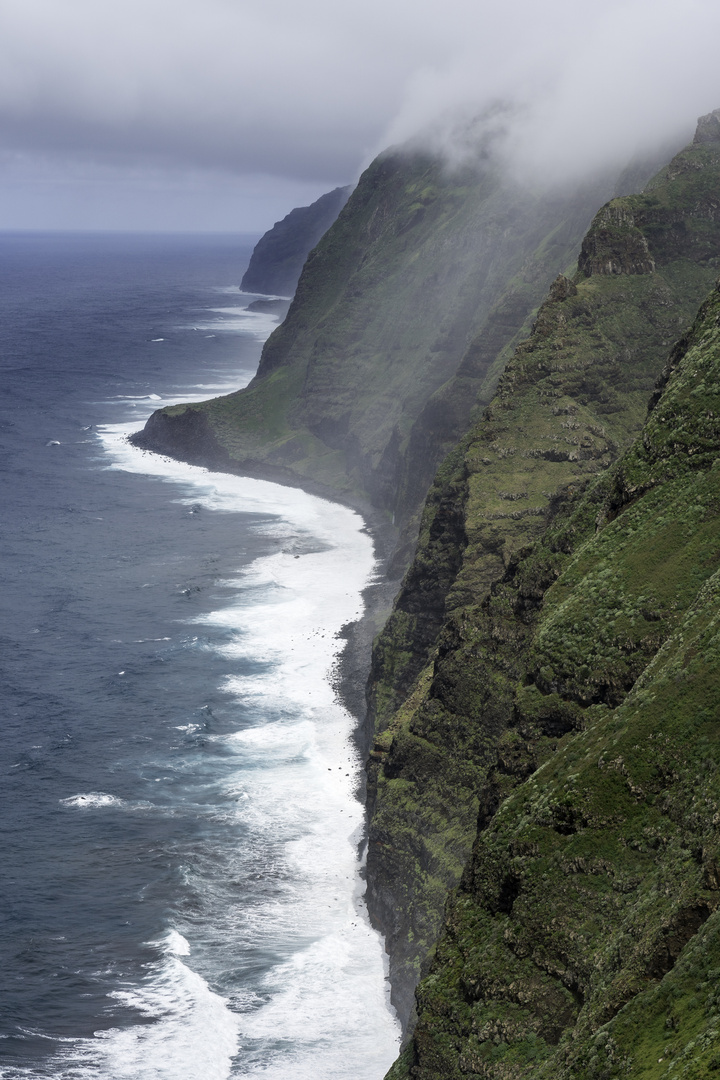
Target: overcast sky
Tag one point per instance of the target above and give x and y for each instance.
(224, 114)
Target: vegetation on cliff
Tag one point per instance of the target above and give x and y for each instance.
(582, 941)
(543, 785)
(459, 671)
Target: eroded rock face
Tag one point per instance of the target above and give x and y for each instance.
(584, 936)
(708, 129)
(615, 245)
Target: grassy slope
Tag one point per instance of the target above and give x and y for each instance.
(410, 273)
(584, 939)
(571, 400)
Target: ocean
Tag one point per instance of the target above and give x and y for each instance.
(181, 864)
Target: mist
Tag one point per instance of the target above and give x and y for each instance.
(225, 99)
(562, 91)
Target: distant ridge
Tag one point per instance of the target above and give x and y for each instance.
(279, 255)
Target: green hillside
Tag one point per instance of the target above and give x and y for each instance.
(544, 782)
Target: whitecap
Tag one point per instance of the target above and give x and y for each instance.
(97, 800)
(174, 944)
(91, 800)
(191, 1031)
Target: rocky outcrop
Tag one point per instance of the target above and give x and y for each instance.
(615, 245)
(708, 130)
(279, 256)
(185, 434)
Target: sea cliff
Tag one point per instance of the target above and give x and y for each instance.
(583, 938)
(543, 790)
(279, 256)
(569, 402)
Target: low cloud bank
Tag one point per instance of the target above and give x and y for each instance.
(560, 90)
(308, 93)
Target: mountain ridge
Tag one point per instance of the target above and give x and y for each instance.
(279, 255)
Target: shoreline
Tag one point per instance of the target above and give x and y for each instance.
(349, 674)
(348, 667)
(352, 668)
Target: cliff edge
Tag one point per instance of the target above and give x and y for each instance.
(584, 938)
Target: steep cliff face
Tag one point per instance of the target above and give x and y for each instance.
(279, 256)
(447, 667)
(359, 389)
(584, 939)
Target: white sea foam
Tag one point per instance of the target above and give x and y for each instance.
(91, 800)
(258, 296)
(322, 1010)
(238, 319)
(100, 800)
(189, 1032)
(326, 1016)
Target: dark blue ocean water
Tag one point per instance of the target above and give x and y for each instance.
(179, 868)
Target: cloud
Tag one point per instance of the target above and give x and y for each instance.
(308, 92)
(285, 88)
(565, 88)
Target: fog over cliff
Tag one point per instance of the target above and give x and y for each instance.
(221, 98)
(567, 87)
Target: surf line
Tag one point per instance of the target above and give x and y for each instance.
(298, 768)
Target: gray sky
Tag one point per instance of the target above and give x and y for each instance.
(223, 114)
